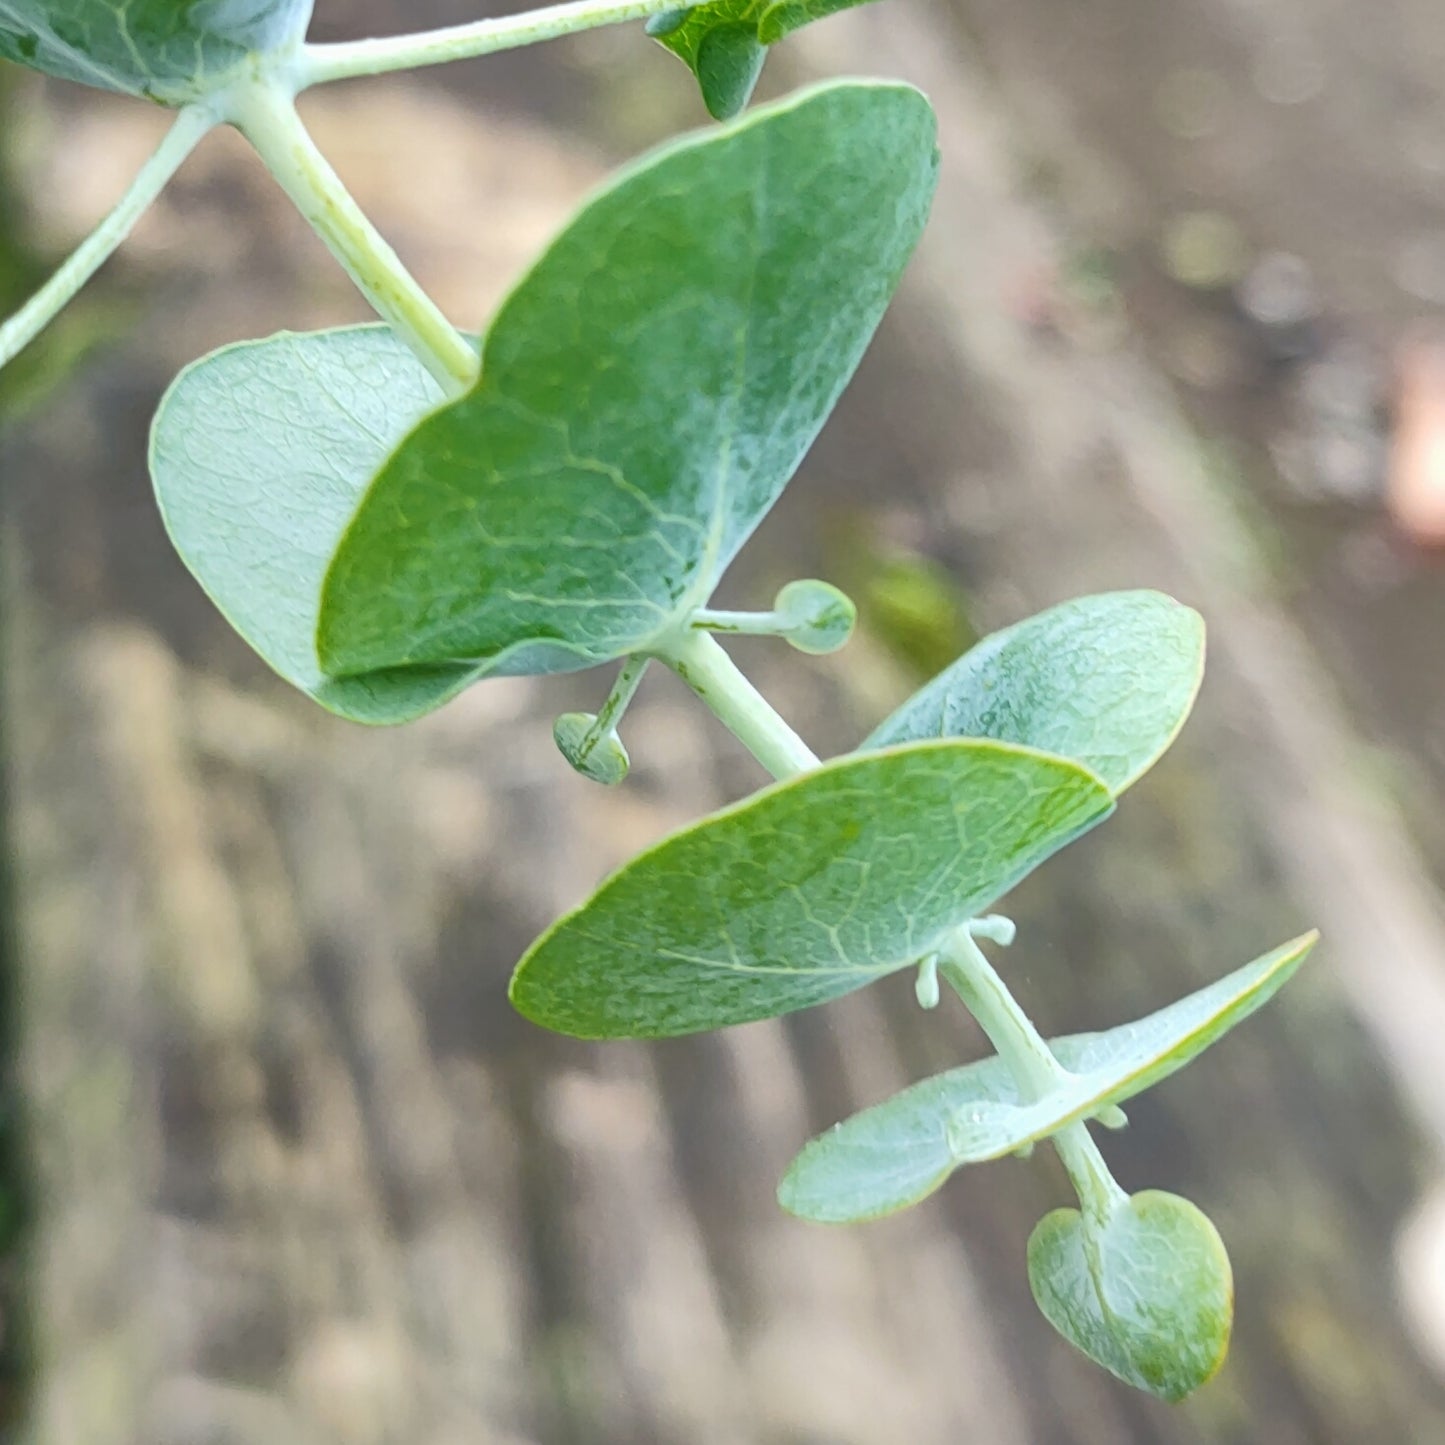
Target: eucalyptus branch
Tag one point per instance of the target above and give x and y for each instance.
(265, 113)
(551, 518)
(347, 60)
(190, 126)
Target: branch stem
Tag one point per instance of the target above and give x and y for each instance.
(624, 689)
(194, 122)
(699, 660)
(321, 64)
(1032, 1063)
(1010, 1030)
(1099, 1192)
(265, 113)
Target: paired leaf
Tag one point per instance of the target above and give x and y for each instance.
(167, 50)
(649, 390)
(259, 454)
(1106, 680)
(724, 42)
(1149, 1296)
(898, 1152)
(806, 891)
(647, 393)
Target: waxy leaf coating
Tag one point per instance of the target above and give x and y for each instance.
(1106, 680)
(898, 1152)
(259, 454)
(806, 891)
(724, 43)
(1149, 1295)
(167, 50)
(646, 394)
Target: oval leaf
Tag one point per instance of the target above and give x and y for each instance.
(259, 454)
(806, 891)
(898, 1152)
(166, 50)
(646, 394)
(724, 42)
(1107, 681)
(1149, 1296)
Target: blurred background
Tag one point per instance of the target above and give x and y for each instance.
(277, 1164)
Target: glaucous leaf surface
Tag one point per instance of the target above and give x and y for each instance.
(898, 1152)
(167, 50)
(724, 43)
(1106, 680)
(259, 454)
(806, 891)
(646, 394)
(1150, 1296)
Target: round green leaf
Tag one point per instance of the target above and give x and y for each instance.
(1149, 1295)
(806, 891)
(646, 393)
(898, 1152)
(259, 454)
(1107, 681)
(171, 51)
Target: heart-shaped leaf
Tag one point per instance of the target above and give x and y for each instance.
(1107, 681)
(167, 50)
(259, 454)
(806, 891)
(646, 394)
(898, 1152)
(1149, 1295)
(724, 42)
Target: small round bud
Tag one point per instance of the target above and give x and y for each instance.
(598, 756)
(815, 617)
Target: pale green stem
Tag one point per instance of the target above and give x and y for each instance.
(1099, 1192)
(320, 64)
(699, 660)
(1010, 1030)
(1033, 1065)
(629, 677)
(738, 624)
(42, 308)
(265, 113)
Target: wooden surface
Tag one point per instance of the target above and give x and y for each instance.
(304, 1178)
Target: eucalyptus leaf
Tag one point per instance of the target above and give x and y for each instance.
(259, 454)
(167, 50)
(1106, 680)
(898, 1152)
(724, 43)
(806, 891)
(646, 394)
(1149, 1295)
